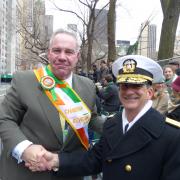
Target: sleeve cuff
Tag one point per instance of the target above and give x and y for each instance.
(19, 149)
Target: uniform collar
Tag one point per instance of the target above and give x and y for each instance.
(147, 106)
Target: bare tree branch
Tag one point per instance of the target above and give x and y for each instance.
(69, 11)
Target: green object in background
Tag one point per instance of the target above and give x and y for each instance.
(6, 77)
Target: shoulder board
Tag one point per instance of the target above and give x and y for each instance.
(173, 122)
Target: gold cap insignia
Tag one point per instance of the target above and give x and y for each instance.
(129, 66)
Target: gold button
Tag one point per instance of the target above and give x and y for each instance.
(128, 168)
(109, 160)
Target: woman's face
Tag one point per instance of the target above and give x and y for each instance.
(168, 73)
(158, 86)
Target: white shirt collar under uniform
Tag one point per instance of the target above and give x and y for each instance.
(147, 106)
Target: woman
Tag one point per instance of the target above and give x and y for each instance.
(170, 76)
(174, 107)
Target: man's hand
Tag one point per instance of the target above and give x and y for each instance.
(52, 160)
(49, 161)
(33, 155)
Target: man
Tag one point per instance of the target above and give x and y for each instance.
(96, 73)
(109, 95)
(160, 97)
(137, 144)
(103, 69)
(175, 66)
(42, 112)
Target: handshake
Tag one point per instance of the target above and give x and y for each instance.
(37, 158)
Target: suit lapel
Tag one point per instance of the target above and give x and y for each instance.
(51, 113)
(134, 140)
(113, 131)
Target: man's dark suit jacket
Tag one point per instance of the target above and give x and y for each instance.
(27, 113)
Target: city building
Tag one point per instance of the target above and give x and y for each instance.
(7, 36)
(36, 29)
(19, 29)
(147, 41)
(100, 28)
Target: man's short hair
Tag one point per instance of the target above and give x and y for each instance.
(63, 31)
(103, 62)
(108, 78)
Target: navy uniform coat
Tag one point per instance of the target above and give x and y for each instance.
(150, 150)
(27, 113)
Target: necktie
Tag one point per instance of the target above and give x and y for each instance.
(62, 120)
(126, 127)
(63, 126)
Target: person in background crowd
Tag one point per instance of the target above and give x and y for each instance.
(170, 76)
(160, 97)
(109, 95)
(175, 66)
(174, 107)
(96, 73)
(103, 70)
(90, 75)
(137, 143)
(46, 109)
(110, 71)
(81, 72)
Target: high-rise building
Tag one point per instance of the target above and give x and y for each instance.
(17, 24)
(7, 36)
(36, 29)
(100, 29)
(147, 41)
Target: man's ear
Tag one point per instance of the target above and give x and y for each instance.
(78, 55)
(150, 93)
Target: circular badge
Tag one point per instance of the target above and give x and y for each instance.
(47, 82)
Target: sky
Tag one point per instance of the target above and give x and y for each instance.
(130, 14)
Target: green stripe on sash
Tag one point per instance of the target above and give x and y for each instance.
(67, 89)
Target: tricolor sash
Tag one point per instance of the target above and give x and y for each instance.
(67, 102)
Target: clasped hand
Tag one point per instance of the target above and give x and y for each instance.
(37, 158)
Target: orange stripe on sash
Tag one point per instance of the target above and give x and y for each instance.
(59, 101)
(61, 85)
(41, 72)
